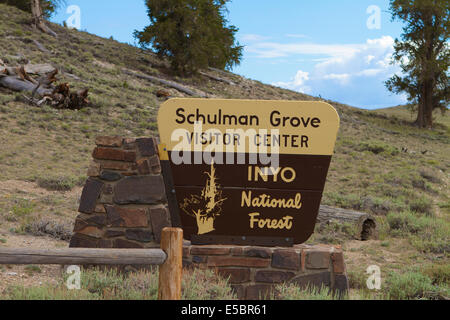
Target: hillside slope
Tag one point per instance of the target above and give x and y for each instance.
(382, 164)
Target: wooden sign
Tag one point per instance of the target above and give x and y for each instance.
(247, 171)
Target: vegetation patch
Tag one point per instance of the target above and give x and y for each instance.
(410, 286)
(427, 234)
(32, 269)
(60, 183)
(378, 147)
(46, 227)
(110, 284)
(293, 292)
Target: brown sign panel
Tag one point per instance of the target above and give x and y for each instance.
(247, 169)
(295, 172)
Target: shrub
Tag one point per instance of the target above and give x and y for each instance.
(60, 183)
(375, 205)
(378, 147)
(52, 228)
(45, 292)
(31, 269)
(429, 175)
(357, 279)
(205, 285)
(22, 208)
(433, 239)
(407, 286)
(427, 234)
(335, 232)
(340, 200)
(439, 274)
(405, 223)
(111, 284)
(422, 205)
(294, 292)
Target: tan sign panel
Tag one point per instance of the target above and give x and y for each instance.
(246, 201)
(303, 127)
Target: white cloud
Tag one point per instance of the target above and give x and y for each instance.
(295, 35)
(342, 78)
(276, 50)
(369, 58)
(253, 38)
(297, 82)
(369, 72)
(352, 74)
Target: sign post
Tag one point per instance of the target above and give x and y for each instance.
(246, 171)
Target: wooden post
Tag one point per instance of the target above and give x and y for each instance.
(170, 271)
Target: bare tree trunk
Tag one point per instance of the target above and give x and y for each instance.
(425, 112)
(428, 75)
(38, 18)
(420, 121)
(429, 104)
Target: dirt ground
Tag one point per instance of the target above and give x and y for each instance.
(26, 275)
(19, 275)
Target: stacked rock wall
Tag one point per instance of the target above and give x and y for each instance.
(123, 203)
(254, 271)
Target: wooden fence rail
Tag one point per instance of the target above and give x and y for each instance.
(169, 259)
(75, 256)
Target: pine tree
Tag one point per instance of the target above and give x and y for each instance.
(40, 10)
(48, 6)
(424, 56)
(192, 34)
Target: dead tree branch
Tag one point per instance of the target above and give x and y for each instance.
(168, 83)
(43, 90)
(231, 83)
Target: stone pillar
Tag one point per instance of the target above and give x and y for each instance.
(123, 203)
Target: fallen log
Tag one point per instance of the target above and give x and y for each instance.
(42, 89)
(16, 84)
(365, 224)
(36, 69)
(168, 83)
(40, 69)
(40, 46)
(231, 83)
(73, 77)
(225, 73)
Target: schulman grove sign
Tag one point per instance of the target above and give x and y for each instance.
(247, 171)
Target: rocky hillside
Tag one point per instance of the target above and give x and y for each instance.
(382, 164)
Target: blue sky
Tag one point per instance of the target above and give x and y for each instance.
(322, 47)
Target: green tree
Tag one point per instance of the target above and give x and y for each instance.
(192, 34)
(40, 10)
(48, 6)
(423, 54)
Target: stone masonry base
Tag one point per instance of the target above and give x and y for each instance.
(254, 271)
(124, 205)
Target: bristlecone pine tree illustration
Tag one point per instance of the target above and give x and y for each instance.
(206, 207)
